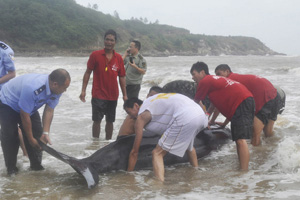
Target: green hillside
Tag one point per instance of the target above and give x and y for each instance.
(49, 27)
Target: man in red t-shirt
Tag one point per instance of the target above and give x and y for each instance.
(233, 100)
(106, 66)
(265, 97)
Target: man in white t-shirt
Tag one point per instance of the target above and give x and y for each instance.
(176, 117)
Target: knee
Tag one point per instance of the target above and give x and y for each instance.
(154, 152)
(158, 151)
(241, 142)
(97, 122)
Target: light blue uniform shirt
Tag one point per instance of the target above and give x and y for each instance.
(28, 92)
(6, 62)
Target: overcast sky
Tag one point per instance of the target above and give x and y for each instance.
(274, 22)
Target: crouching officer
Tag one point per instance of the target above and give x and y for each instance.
(20, 100)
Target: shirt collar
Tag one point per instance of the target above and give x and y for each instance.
(136, 55)
(103, 52)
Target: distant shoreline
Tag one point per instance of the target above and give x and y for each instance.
(86, 53)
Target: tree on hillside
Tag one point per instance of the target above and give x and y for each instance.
(95, 6)
(145, 20)
(116, 14)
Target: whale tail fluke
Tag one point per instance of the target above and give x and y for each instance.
(81, 167)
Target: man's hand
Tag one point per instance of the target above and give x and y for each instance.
(45, 139)
(221, 124)
(82, 96)
(34, 143)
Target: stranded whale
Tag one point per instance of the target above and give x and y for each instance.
(115, 155)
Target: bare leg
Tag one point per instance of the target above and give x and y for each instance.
(268, 129)
(158, 162)
(96, 129)
(193, 157)
(109, 127)
(22, 145)
(243, 153)
(257, 129)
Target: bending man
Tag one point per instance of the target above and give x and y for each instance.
(266, 100)
(20, 99)
(233, 100)
(176, 117)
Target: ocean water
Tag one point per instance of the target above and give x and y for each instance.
(273, 169)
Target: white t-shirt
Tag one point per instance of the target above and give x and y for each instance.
(166, 107)
(177, 118)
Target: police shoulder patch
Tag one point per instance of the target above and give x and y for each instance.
(3, 46)
(41, 89)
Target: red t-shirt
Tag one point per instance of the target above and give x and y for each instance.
(224, 93)
(261, 89)
(105, 82)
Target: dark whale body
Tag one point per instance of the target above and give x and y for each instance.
(115, 155)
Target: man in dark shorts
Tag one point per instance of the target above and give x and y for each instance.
(265, 96)
(107, 66)
(233, 100)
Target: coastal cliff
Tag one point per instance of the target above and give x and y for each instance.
(55, 27)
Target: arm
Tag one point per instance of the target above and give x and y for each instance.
(202, 106)
(27, 125)
(47, 119)
(140, 123)
(216, 113)
(223, 124)
(213, 110)
(8, 76)
(126, 53)
(127, 127)
(140, 70)
(85, 82)
(122, 82)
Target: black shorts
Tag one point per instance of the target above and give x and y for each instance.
(270, 110)
(104, 107)
(242, 120)
(133, 91)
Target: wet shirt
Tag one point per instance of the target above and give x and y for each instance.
(133, 77)
(166, 108)
(261, 89)
(224, 93)
(28, 92)
(105, 73)
(6, 60)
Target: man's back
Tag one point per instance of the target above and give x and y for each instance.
(169, 108)
(224, 93)
(262, 89)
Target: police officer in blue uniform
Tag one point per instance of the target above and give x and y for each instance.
(20, 100)
(7, 66)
